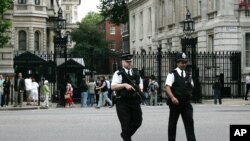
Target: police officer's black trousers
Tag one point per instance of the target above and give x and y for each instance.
(186, 111)
(130, 116)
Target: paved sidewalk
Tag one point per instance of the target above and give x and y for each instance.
(24, 107)
(228, 101)
(225, 101)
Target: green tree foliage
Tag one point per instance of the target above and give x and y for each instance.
(92, 18)
(4, 23)
(90, 43)
(116, 10)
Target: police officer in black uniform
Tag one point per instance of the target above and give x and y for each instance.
(179, 89)
(127, 99)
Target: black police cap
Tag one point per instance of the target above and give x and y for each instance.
(126, 56)
(181, 56)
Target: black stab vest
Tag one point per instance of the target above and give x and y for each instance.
(182, 87)
(123, 93)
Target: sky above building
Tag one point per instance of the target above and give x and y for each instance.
(87, 6)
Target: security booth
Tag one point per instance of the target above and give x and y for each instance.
(49, 71)
(29, 65)
(71, 71)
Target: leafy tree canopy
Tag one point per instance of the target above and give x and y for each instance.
(92, 18)
(116, 10)
(4, 23)
(90, 43)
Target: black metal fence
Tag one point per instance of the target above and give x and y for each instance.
(226, 65)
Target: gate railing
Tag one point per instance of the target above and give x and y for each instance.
(226, 65)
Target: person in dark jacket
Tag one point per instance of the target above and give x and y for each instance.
(104, 93)
(6, 91)
(217, 91)
(127, 99)
(19, 88)
(179, 89)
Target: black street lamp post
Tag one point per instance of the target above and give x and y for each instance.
(159, 58)
(60, 43)
(188, 42)
(60, 40)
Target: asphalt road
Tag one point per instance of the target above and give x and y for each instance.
(89, 124)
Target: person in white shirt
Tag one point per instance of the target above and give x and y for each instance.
(127, 101)
(34, 91)
(179, 89)
(247, 85)
(28, 88)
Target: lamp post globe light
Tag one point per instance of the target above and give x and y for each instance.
(60, 42)
(189, 46)
(188, 24)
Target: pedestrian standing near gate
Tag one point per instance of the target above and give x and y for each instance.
(19, 88)
(153, 87)
(247, 85)
(179, 89)
(6, 90)
(45, 91)
(128, 99)
(217, 91)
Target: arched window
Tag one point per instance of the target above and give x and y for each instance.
(22, 40)
(37, 2)
(37, 41)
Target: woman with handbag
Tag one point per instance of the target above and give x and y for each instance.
(69, 95)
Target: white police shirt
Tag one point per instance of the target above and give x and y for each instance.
(247, 79)
(170, 77)
(117, 79)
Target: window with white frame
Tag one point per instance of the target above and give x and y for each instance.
(173, 14)
(37, 41)
(247, 49)
(141, 25)
(133, 28)
(211, 42)
(69, 37)
(112, 45)
(112, 29)
(37, 2)
(213, 5)
(199, 8)
(124, 28)
(149, 22)
(52, 3)
(68, 18)
(196, 10)
(161, 13)
(22, 40)
(67, 7)
(21, 1)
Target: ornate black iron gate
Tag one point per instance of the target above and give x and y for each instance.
(226, 65)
